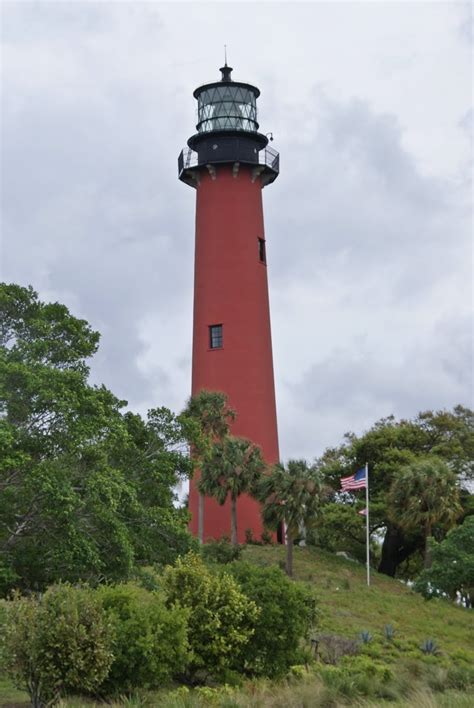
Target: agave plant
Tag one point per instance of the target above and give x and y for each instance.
(389, 632)
(365, 636)
(429, 646)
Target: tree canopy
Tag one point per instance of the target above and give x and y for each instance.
(388, 447)
(86, 490)
(423, 494)
(291, 496)
(452, 569)
(207, 418)
(234, 466)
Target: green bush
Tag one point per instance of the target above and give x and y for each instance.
(59, 643)
(222, 618)
(287, 614)
(221, 552)
(150, 640)
(368, 667)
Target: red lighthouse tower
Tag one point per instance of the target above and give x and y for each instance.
(229, 162)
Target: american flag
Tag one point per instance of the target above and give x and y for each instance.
(355, 481)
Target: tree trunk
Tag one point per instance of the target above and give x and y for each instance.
(427, 558)
(302, 535)
(395, 549)
(289, 555)
(233, 521)
(201, 518)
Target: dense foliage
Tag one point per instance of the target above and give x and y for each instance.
(234, 466)
(86, 491)
(340, 528)
(290, 496)
(58, 643)
(150, 643)
(452, 569)
(423, 494)
(221, 620)
(221, 552)
(287, 614)
(207, 417)
(388, 447)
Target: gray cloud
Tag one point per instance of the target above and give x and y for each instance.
(368, 241)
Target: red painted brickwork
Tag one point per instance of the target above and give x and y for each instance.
(231, 289)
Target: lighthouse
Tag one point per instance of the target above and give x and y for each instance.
(229, 162)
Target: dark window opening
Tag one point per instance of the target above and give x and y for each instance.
(261, 250)
(215, 336)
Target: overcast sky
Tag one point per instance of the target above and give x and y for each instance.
(368, 226)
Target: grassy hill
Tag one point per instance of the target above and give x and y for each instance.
(348, 607)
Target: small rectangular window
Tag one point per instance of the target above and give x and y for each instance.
(261, 250)
(215, 336)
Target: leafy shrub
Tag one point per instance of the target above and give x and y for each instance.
(150, 640)
(287, 612)
(367, 666)
(298, 671)
(213, 696)
(250, 538)
(221, 552)
(331, 648)
(59, 643)
(146, 578)
(222, 618)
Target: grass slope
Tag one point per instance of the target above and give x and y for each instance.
(349, 606)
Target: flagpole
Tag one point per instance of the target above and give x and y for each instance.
(367, 540)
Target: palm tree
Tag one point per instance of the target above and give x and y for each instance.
(213, 416)
(292, 497)
(423, 494)
(234, 467)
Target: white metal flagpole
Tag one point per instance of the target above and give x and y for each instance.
(367, 540)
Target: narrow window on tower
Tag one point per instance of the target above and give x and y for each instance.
(215, 336)
(261, 250)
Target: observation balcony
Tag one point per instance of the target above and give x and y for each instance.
(229, 150)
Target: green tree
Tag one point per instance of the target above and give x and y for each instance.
(221, 619)
(452, 568)
(212, 416)
(423, 494)
(57, 644)
(292, 497)
(234, 466)
(86, 492)
(389, 446)
(340, 528)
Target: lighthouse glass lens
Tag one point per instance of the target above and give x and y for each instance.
(227, 108)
